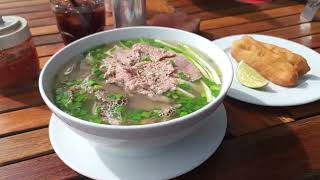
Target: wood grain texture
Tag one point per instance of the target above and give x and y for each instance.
(48, 50)
(206, 14)
(180, 3)
(9, 1)
(210, 6)
(284, 152)
(24, 120)
(304, 111)
(295, 31)
(290, 151)
(261, 27)
(250, 17)
(24, 146)
(246, 118)
(42, 22)
(312, 41)
(14, 4)
(30, 9)
(36, 15)
(22, 98)
(45, 167)
(43, 61)
(44, 30)
(47, 39)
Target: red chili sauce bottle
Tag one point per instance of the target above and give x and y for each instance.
(19, 62)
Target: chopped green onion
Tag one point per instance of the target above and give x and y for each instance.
(213, 75)
(207, 91)
(186, 92)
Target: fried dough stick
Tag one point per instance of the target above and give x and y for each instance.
(270, 65)
(296, 60)
(299, 63)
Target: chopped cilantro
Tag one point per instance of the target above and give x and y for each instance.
(181, 75)
(187, 104)
(184, 86)
(94, 58)
(98, 73)
(91, 82)
(96, 119)
(98, 110)
(129, 43)
(137, 115)
(115, 96)
(72, 102)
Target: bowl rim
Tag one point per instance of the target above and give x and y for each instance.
(226, 82)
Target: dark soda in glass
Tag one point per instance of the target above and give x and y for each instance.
(78, 18)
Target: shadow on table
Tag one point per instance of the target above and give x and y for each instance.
(22, 96)
(274, 153)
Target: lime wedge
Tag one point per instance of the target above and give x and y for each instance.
(249, 77)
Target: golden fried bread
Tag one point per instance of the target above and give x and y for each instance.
(273, 66)
(296, 60)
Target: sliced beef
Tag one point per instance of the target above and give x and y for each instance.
(185, 66)
(156, 54)
(150, 78)
(126, 57)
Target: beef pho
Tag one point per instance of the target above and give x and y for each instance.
(136, 81)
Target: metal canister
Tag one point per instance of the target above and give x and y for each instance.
(129, 12)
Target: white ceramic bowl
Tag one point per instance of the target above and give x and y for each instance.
(136, 136)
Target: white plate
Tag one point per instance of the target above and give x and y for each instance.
(307, 91)
(174, 160)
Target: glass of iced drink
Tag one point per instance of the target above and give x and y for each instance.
(78, 18)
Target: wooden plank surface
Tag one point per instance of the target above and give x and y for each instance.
(245, 118)
(30, 9)
(24, 146)
(291, 151)
(24, 120)
(204, 14)
(45, 167)
(13, 4)
(250, 17)
(20, 100)
(261, 155)
(288, 150)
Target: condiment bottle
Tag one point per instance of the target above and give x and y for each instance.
(19, 62)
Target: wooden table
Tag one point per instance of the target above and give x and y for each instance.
(261, 142)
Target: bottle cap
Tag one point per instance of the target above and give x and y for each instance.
(13, 31)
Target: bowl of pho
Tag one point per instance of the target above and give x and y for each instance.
(136, 87)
